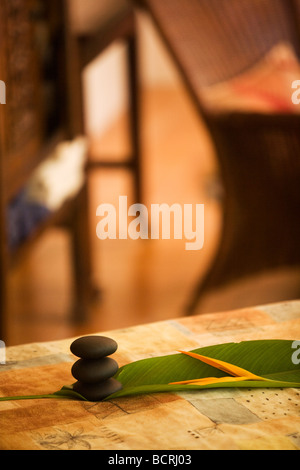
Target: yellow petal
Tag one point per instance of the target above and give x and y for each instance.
(224, 366)
(210, 380)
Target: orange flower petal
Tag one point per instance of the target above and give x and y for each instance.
(224, 366)
(210, 380)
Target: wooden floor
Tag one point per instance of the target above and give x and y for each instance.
(140, 281)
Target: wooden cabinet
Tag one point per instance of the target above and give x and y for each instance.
(31, 49)
(34, 65)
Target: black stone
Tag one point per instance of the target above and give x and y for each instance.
(93, 371)
(97, 392)
(93, 347)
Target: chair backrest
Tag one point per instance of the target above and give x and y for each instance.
(222, 38)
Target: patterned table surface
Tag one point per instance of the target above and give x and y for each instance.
(234, 419)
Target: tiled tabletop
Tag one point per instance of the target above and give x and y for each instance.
(208, 419)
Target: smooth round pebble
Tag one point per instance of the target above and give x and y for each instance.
(97, 392)
(93, 347)
(93, 371)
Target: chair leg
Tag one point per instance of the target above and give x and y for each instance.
(81, 257)
(4, 266)
(134, 103)
(3, 306)
(213, 277)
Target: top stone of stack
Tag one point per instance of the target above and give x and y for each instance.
(93, 347)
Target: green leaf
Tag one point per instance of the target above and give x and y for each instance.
(270, 359)
(66, 392)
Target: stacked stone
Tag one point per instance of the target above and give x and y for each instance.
(94, 371)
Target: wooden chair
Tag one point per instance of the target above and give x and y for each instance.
(91, 28)
(31, 126)
(95, 25)
(256, 133)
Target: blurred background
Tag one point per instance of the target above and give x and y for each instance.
(134, 281)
